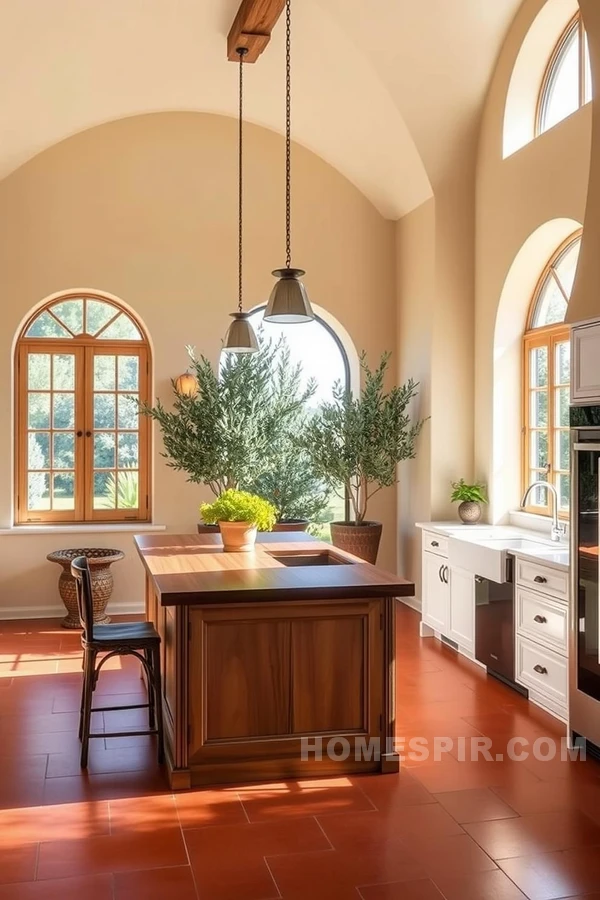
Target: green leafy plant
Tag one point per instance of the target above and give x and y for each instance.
(240, 506)
(223, 436)
(468, 493)
(121, 494)
(289, 481)
(358, 442)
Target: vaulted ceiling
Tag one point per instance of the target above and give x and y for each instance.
(384, 90)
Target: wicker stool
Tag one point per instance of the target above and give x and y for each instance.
(100, 560)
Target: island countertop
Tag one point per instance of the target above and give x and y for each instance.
(188, 569)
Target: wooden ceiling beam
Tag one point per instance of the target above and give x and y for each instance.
(252, 27)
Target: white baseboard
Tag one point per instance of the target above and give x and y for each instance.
(59, 612)
(413, 602)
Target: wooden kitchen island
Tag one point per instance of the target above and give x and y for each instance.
(263, 650)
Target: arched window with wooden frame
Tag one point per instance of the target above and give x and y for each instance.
(82, 450)
(567, 82)
(546, 369)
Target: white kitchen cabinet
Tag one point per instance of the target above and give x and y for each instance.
(585, 363)
(462, 609)
(436, 592)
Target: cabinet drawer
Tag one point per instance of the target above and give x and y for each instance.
(542, 670)
(543, 578)
(435, 543)
(545, 621)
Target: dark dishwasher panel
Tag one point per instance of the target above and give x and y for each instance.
(494, 625)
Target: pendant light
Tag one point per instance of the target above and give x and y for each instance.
(240, 337)
(288, 303)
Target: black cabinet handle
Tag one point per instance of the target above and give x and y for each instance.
(446, 574)
(440, 575)
(540, 579)
(541, 670)
(435, 544)
(541, 619)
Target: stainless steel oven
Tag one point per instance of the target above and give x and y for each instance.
(584, 656)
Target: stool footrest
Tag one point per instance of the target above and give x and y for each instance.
(115, 734)
(116, 708)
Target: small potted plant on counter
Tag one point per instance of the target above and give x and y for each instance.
(358, 442)
(239, 516)
(470, 497)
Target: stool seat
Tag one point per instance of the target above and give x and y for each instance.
(100, 643)
(132, 634)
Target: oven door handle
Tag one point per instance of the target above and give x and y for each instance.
(580, 447)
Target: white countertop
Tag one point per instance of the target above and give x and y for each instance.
(545, 551)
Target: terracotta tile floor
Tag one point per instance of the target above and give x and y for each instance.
(450, 827)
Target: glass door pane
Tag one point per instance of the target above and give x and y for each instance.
(51, 435)
(116, 456)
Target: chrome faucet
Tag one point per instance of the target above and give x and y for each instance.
(557, 531)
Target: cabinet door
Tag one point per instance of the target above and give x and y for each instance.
(462, 608)
(585, 364)
(436, 593)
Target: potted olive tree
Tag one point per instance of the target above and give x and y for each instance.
(358, 442)
(289, 482)
(223, 434)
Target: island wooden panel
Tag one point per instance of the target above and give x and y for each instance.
(247, 677)
(330, 665)
(275, 662)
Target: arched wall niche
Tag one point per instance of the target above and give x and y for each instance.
(511, 318)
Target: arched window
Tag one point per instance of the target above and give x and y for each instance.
(323, 357)
(82, 449)
(567, 81)
(546, 381)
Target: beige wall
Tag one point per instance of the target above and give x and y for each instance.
(544, 182)
(585, 301)
(146, 209)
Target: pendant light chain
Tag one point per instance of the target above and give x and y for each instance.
(242, 52)
(288, 133)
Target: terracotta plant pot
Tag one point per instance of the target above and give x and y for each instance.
(237, 536)
(291, 525)
(469, 512)
(100, 560)
(361, 540)
(207, 529)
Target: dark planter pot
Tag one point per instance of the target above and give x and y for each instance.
(361, 540)
(291, 525)
(207, 529)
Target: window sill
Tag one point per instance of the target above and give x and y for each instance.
(100, 528)
(534, 521)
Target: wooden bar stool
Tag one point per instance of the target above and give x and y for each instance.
(138, 639)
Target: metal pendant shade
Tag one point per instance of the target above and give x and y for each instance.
(288, 303)
(240, 337)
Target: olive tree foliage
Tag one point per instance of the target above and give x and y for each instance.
(359, 441)
(225, 435)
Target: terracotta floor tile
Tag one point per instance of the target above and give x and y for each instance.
(424, 889)
(319, 797)
(90, 887)
(493, 885)
(391, 792)
(478, 805)
(198, 809)
(69, 701)
(143, 814)
(554, 876)
(22, 781)
(453, 856)
(139, 849)
(450, 774)
(102, 759)
(18, 863)
(372, 829)
(73, 821)
(296, 875)
(155, 884)
(81, 788)
(538, 833)
(536, 797)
